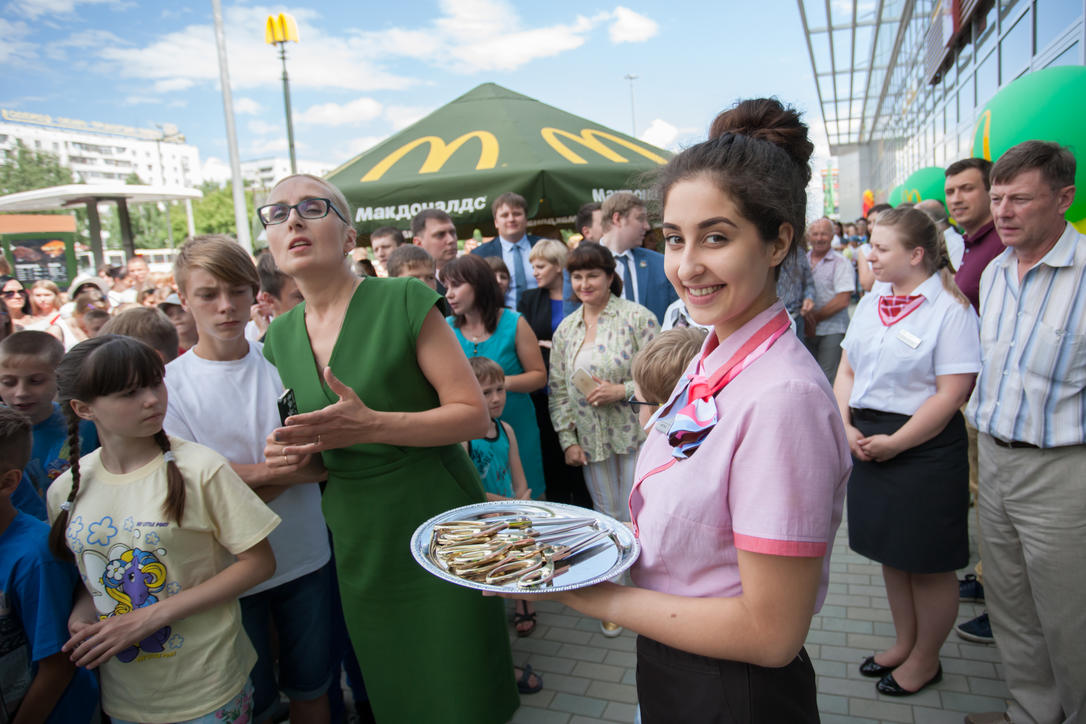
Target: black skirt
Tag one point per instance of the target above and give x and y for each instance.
(910, 512)
(676, 687)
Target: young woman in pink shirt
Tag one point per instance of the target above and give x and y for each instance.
(739, 487)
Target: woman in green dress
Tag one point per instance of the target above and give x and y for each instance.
(385, 395)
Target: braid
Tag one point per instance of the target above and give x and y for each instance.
(58, 532)
(174, 507)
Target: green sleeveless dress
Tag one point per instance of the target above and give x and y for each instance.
(430, 651)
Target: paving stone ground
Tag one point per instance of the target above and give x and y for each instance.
(590, 679)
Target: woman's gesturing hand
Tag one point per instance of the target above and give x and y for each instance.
(344, 423)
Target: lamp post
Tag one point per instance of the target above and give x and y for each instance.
(162, 171)
(633, 122)
(279, 30)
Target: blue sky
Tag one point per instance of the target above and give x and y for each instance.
(364, 70)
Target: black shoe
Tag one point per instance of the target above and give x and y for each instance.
(872, 668)
(979, 630)
(889, 687)
(970, 590)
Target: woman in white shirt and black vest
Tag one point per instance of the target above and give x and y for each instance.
(910, 357)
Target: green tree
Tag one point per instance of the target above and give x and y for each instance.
(213, 214)
(25, 169)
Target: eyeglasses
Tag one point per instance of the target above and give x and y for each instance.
(634, 403)
(307, 209)
(9, 293)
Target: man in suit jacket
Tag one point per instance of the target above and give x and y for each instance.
(512, 244)
(625, 223)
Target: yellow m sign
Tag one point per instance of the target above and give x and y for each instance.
(590, 139)
(439, 153)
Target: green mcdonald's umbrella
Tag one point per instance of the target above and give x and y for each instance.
(486, 142)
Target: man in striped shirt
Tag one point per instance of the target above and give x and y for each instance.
(1029, 406)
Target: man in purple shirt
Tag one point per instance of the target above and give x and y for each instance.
(967, 187)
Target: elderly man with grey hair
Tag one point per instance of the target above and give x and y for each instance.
(834, 283)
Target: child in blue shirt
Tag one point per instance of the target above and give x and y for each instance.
(496, 456)
(38, 682)
(27, 385)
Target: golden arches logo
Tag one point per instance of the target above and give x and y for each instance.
(439, 153)
(986, 139)
(589, 139)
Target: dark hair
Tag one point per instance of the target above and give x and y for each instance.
(509, 198)
(584, 216)
(590, 255)
(103, 366)
(980, 164)
(27, 309)
(877, 209)
(418, 224)
(384, 231)
(364, 268)
(759, 154)
(271, 279)
(497, 264)
(1055, 162)
(472, 269)
(33, 343)
(6, 326)
(917, 229)
(149, 325)
(405, 256)
(15, 439)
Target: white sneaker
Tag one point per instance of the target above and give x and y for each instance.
(610, 629)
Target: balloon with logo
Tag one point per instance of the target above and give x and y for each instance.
(1048, 105)
(896, 195)
(868, 201)
(925, 183)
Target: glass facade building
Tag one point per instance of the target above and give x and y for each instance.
(901, 83)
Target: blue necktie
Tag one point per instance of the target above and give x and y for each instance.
(519, 280)
(627, 278)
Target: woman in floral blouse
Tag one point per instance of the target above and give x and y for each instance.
(599, 430)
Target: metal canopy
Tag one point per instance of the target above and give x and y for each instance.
(854, 47)
(57, 198)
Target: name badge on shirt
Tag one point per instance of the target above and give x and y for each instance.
(908, 338)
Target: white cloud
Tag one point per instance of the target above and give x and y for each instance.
(403, 116)
(356, 146)
(215, 169)
(246, 106)
(252, 63)
(33, 9)
(12, 45)
(631, 27)
(135, 100)
(260, 127)
(489, 35)
(335, 114)
(171, 85)
(660, 133)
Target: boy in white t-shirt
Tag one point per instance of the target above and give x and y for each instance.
(223, 394)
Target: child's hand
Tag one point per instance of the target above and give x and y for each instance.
(524, 495)
(96, 643)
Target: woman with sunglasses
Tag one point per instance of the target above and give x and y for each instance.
(16, 301)
(385, 395)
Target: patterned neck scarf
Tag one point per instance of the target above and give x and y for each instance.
(895, 307)
(697, 418)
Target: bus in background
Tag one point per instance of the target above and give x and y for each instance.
(160, 261)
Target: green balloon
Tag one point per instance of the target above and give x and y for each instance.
(897, 195)
(925, 183)
(1048, 105)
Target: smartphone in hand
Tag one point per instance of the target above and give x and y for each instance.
(287, 405)
(583, 381)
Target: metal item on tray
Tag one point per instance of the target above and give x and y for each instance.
(524, 547)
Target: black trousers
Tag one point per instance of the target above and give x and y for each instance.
(676, 687)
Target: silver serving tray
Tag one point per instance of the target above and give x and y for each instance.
(596, 564)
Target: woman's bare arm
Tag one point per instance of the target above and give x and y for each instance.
(534, 375)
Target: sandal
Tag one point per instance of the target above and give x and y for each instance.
(519, 618)
(524, 681)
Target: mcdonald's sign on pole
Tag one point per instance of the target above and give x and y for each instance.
(484, 143)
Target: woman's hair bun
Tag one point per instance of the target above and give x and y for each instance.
(768, 119)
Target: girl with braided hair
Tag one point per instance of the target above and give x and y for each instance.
(166, 537)
(910, 357)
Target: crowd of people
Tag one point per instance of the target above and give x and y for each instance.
(208, 487)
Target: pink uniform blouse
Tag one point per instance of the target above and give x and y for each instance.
(769, 478)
